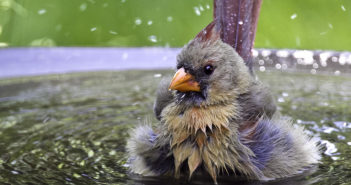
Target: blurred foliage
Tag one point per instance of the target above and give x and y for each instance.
(302, 24)
(305, 24)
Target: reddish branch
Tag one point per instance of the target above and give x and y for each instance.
(238, 20)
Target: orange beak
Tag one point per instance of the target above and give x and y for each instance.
(184, 82)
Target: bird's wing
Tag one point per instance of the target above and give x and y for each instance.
(257, 102)
(145, 155)
(280, 149)
(163, 97)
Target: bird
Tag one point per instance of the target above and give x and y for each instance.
(216, 118)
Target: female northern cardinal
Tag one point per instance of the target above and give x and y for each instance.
(218, 119)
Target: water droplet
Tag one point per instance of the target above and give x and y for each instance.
(240, 22)
(298, 41)
(266, 53)
(14, 172)
(334, 59)
(329, 130)
(281, 100)
(112, 32)
(278, 66)
(138, 21)
(308, 123)
(261, 62)
(293, 16)
(83, 7)
(60, 165)
(342, 124)
(157, 75)
(169, 18)
(330, 26)
(93, 29)
(90, 153)
(97, 143)
(5, 5)
(342, 59)
(262, 68)
(149, 22)
(112, 152)
(126, 165)
(349, 59)
(340, 137)
(284, 66)
(3, 44)
(125, 56)
(285, 94)
(349, 143)
(313, 71)
(305, 56)
(41, 11)
(254, 53)
(152, 38)
(283, 53)
(315, 65)
(343, 8)
(76, 175)
(201, 8)
(197, 11)
(324, 57)
(208, 6)
(331, 149)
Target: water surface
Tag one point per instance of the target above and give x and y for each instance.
(72, 128)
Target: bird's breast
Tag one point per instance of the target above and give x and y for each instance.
(192, 120)
(202, 135)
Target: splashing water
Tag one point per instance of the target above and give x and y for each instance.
(72, 128)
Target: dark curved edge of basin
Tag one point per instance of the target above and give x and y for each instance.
(37, 61)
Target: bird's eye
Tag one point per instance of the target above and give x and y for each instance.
(208, 69)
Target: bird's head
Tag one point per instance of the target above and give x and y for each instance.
(209, 71)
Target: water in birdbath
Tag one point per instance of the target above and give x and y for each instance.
(72, 128)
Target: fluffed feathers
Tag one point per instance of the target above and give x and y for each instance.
(218, 120)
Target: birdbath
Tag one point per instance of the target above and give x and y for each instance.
(238, 20)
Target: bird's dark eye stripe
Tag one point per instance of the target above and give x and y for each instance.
(208, 69)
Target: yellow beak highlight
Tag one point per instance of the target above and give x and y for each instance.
(184, 82)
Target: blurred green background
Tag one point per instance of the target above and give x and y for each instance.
(301, 24)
